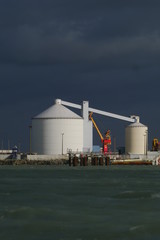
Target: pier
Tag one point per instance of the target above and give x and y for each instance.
(105, 160)
(88, 160)
(76, 159)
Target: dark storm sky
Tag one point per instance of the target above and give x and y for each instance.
(106, 52)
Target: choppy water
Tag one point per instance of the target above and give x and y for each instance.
(48, 202)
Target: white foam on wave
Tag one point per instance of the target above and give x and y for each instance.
(134, 228)
(156, 195)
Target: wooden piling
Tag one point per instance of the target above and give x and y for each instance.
(101, 161)
(107, 161)
(70, 160)
(75, 161)
(85, 161)
(95, 161)
(81, 160)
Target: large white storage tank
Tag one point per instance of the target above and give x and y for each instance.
(57, 130)
(136, 138)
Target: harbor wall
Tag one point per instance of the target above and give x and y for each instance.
(45, 157)
(8, 156)
(78, 159)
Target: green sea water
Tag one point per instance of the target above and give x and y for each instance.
(81, 203)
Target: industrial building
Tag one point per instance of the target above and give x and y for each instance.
(59, 130)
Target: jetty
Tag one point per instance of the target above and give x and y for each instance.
(77, 159)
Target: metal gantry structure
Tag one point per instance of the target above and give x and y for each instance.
(87, 115)
(104, 113)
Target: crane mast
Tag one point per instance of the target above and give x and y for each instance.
(95, 125)
(105, 140)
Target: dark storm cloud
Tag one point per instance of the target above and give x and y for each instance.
(33, 46)
(55, 32)
(107, 52)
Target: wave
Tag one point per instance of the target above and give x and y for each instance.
(133, 195)
(156, 195)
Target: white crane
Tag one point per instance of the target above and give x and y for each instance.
(132, 119)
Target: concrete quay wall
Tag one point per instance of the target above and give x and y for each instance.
(21, 159)
(46, 157)
(8, 156)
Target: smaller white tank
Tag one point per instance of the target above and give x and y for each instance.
(136, 138)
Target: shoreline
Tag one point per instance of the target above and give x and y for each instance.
(33, 162)
(74, 163)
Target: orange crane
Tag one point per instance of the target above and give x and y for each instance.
(105, 140)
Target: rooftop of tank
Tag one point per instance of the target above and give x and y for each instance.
(137, 124)
(57, 111)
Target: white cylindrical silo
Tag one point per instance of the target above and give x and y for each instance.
(136, 138)
(56, 131)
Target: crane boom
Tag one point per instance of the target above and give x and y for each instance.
(104, 113)
(112, 115)
(69, 104)
(96, 127)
